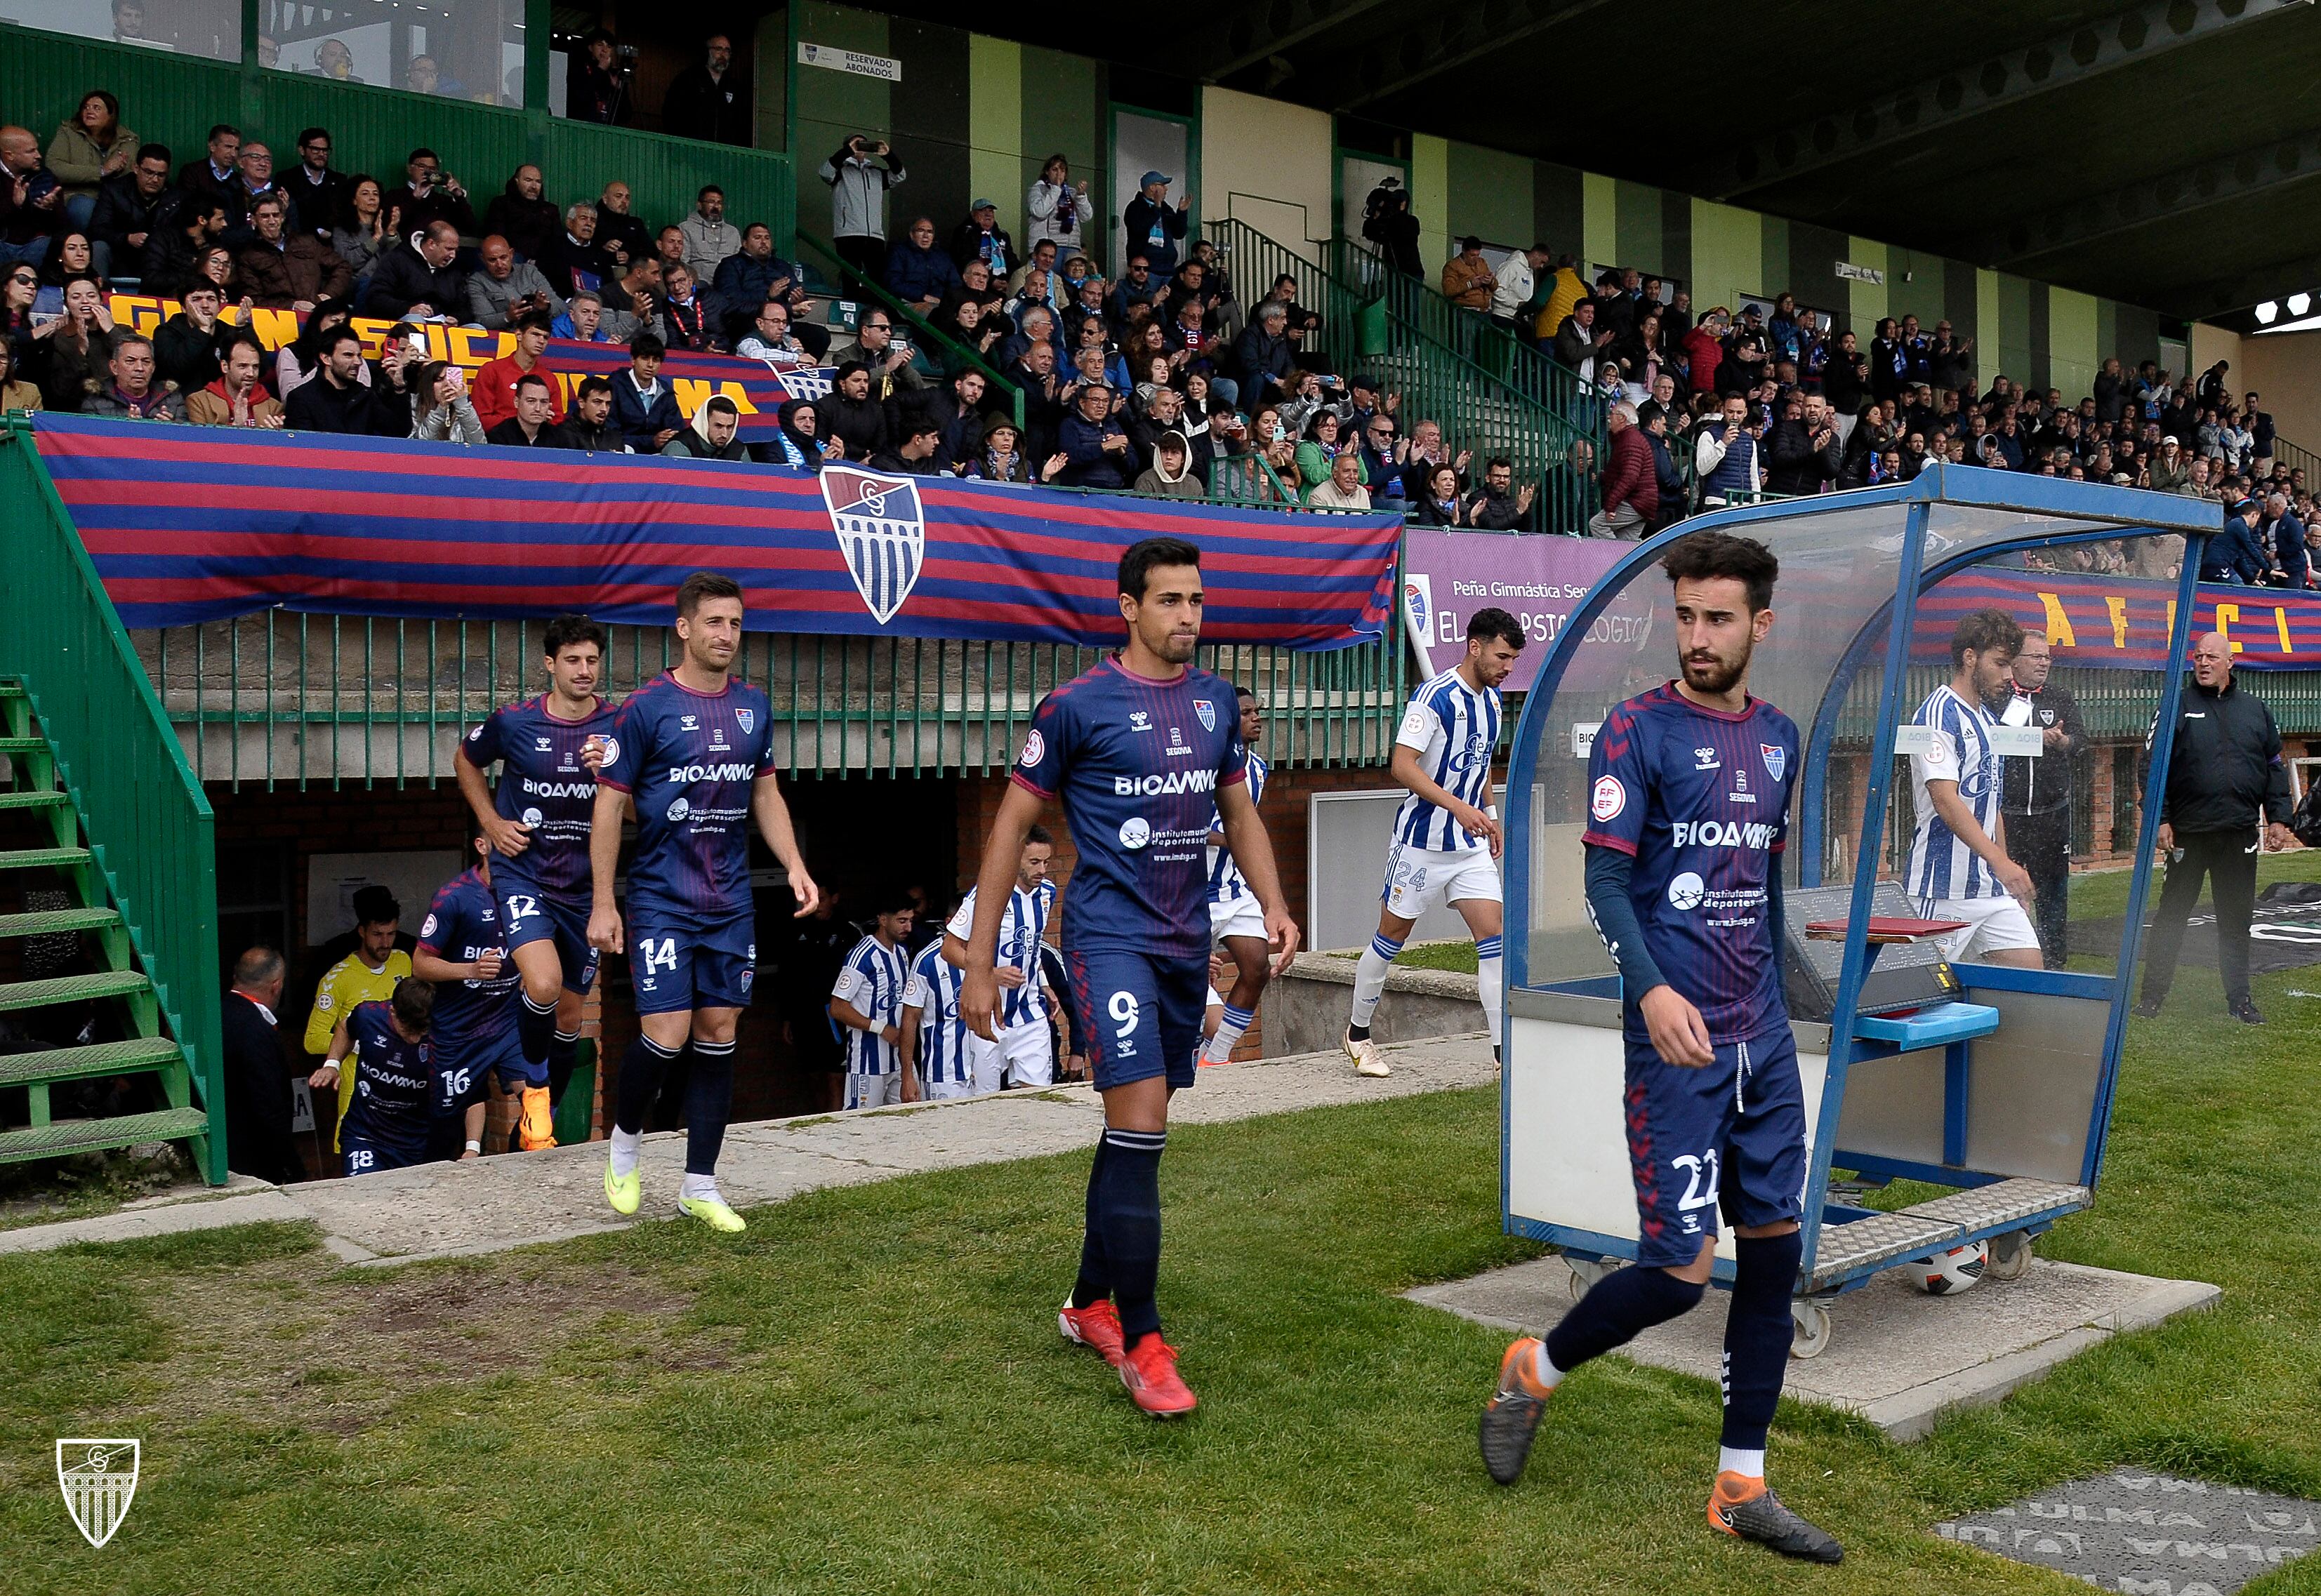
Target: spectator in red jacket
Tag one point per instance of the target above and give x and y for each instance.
(1632, 488)
(495, 383)
(1704, 350)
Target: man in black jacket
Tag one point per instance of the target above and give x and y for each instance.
(257, 1086)
(2035, 795)
(2233, 555)
(337, 401)
(418, 283)
(710, 101)
(1263, 361)
(131, 206)
(1803, 455)
(2226, 776)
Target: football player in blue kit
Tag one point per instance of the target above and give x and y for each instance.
(1140, 750)
(548, 750)
(463, 954)
(398, 1100)
(691, 752)
(1688, 792)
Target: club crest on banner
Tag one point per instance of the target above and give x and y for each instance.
(99, 1478)
(1418, 614)
(881, 529)
(810, 381)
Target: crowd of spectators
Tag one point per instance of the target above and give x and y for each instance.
(1157, 379)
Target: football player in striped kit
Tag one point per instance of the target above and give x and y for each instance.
(1235, 918)
(1960, 868)
(1023, 1051)
(934, 1036)
(1446, 840)
(868, 1004)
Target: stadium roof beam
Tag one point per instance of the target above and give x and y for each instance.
(1255, 35)
(1402, 60)
(2223, 179)
(1963, 92)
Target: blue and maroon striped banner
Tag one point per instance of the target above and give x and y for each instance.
(189, 524)
(2124, 621)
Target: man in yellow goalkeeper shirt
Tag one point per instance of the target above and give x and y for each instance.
(367, 974)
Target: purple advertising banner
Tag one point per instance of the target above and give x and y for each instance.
(1447, 576)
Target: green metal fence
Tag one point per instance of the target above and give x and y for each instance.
(174, 99)
(1552, 449)
(149, 827)
(1473, 337)
(300, 700)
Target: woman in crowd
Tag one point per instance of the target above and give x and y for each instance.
(19, 291)
(443, 412)
(1440, 504)
(214, 266)
(76, 348)
(15, 392)
(367, 229)
(68, 257)
(88, 147)
(1001, 457)
(970, 325)
(1320, 449)
(1059, 209)
(237, 399)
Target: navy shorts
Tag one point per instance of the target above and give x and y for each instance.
(1729, 1136)
(1140, 1015)
(364, 1150)
(676, 968)
(527, 918)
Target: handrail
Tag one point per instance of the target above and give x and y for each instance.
(1554, 448)
(1530, 370)
(150, 830)
(958, 356)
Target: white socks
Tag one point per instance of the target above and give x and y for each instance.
(1369, 978)
(1544, 1369)
(1230, 1026)
(1488, 980)
(627, 1146)
(697, 1187)
(1734, 1460)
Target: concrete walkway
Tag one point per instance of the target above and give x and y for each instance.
(490, 1204)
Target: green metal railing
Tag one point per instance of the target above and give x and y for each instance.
(300, 700)
(955, 356)
(1472, 336)
(1554, 448)
(150, 832)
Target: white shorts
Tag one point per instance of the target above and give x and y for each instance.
(1994, 926)
(944, 1090)
(873, 1091)
(1417, 879)
(1236, 917)
(1025, 1053)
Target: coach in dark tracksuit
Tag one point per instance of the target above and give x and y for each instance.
(2036, 795)
(2225, 777)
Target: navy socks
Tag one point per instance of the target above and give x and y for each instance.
(641, 1071)
(1757, 1334)
(1095, 1283)
(1616, 1310)
(708, 1104)
(1128, 1220)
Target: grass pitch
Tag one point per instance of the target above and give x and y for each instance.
(866, 1393)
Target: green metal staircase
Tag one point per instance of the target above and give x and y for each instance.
(117, 819)
(94, 917)
(1536, 414)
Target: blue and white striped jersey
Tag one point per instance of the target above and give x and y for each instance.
(1941, 865)
(1021, 927)
(1454, 728)
(872, 980)
(1226, 883)
(933, 990)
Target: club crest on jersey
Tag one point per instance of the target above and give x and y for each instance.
(882, 532)
(1035, 748)
(1776, 758)
(746, 720)
(1207, 711)
(1608, 799)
